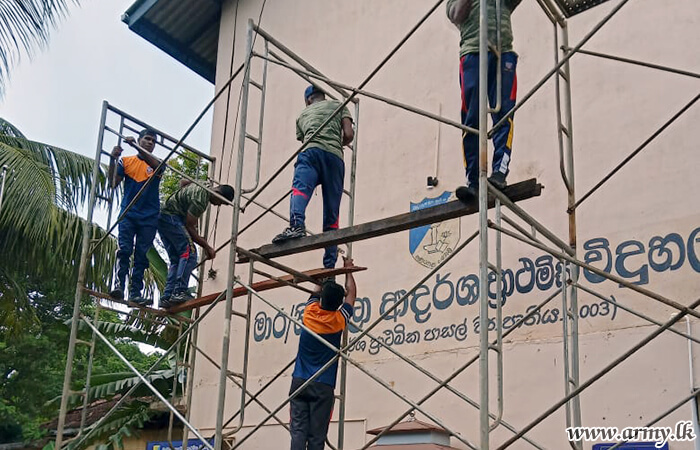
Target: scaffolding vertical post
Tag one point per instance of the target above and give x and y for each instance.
(88, 376)
(573, 312)
(82, 271)
(221, 403)
(342, 403)
(483, 229)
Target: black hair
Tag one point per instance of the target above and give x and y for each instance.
(317, 95)
(332, 295)
(226, 191)
(147, 132)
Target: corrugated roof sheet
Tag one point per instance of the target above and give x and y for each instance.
(187, 30)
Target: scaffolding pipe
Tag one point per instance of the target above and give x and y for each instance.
(82, 272)
(461, 369)
(637, 62)
(348, 99)
(484, 425)
(636, 151)
(147, 383)
(339, 353)
(344, 341)
(597, 376)
(570, 180)
(374, 96)
(609, 276)
(617, 304)
(549, 74)
(226, 340)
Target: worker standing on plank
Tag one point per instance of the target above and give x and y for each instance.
(327, 315)
(138, 225)
(465, 15)
(177, 227)
(320, 162)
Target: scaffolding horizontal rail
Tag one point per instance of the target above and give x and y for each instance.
(516, 192)
(264, 286)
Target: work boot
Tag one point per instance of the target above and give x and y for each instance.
(467, 194)
(180, 297)
(498, 180)
(290, 233)
(139, 300)
(118, 292)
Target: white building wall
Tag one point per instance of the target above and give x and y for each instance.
(616, 107)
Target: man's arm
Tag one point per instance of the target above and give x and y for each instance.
(191, 226)
(350, 287)
(114, 178)
(300, 134)
(348, 132)
(148, 157)
(458, 11)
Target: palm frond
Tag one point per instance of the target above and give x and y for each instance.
(24, 27)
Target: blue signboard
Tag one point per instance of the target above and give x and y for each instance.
(192, 444)
(632, 446)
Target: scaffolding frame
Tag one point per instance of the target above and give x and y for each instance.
(565, 252)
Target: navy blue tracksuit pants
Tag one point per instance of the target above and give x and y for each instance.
(503, 136)
(181, 252)
(315, 166)
(142, 232)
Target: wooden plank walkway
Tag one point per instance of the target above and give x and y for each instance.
(516, 192)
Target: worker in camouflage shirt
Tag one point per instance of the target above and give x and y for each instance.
(319, 163)
(177, 227)
(464, 14)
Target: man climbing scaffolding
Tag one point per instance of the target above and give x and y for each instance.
(320, 162)
(177, 228)
(326, 314)
(465, 15)
(140, 222)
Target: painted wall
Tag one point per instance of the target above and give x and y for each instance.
(642, 225)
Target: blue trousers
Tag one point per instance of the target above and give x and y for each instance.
(503, 136)
(143, 233)
(181, 252)
(313, 167)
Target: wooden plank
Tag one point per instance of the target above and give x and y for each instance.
(154, 311)
(516, 192)
(262, 286)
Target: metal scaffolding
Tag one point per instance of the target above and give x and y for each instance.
(507, 220)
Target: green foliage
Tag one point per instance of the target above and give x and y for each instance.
(40, 226)
(188, 163)
(25, 26)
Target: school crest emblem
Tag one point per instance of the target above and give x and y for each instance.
(431, 244)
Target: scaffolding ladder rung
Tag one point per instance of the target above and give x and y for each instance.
(80, 341)
(235, 374)
(102, 197)
(563, 75)
(346, 192)
(252, 138)
(256, 84)
(239, 314)
(79, 392)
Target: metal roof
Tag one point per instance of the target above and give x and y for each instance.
(187, 30)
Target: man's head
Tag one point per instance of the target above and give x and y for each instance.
(223, 190)
(332, 295)
(313, 94)
(147, 139)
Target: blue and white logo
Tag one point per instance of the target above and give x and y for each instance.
(431, 244)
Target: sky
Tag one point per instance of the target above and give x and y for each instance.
(56, 96)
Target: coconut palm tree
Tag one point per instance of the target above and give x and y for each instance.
(40, 227)
(25, 26)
